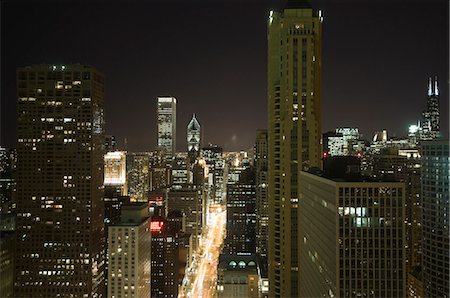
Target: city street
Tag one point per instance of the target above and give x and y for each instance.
(202, 282)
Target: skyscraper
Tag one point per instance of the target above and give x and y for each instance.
(129, 253)
(352, 237)
(262, 208)
(167, 124)
(435, 218)
(193, 136)
(294, 75)
(60, 230)
(430, 122)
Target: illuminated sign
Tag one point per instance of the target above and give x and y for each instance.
(156, 226)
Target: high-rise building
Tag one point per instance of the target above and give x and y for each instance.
(435, 218)
(129, 253)
(352, 237)
(241, 215)
(430, 122)
(60, 140)
(294, 76)
(167, 124)
(110, 143)
(115, 178)
(169, 255)
(181, 171)
(7, 184)
(213, 156)
(262, 205)
(190, 202)
(138, 176)
(193, 137)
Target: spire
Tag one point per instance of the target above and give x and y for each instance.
(430, 88)
(436, 90)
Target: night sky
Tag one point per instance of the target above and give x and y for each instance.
(211, 55)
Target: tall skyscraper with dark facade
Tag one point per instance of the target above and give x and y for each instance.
(435, 214)
(241, 215)
(167, 124)
(430, 122)
(60, 140)
(294, 76)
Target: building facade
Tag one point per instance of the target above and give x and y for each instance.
(129, 253)
(262, 204)
(353, 238)
(60, 140)
(167, 124)
(294, 76)
(435, 224)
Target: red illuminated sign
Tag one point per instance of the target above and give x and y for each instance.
(156, 226)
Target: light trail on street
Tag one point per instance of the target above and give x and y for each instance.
(202, 283)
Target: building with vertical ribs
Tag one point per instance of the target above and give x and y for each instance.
(294, 131)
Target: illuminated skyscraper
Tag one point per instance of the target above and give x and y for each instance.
(167, 124)
(60, 141)
(193, 136)
(435, 218)
(294, 76)
(430, 122)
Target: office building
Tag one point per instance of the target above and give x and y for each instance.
(167, 124)
(169, 257)
(190, 202)
(138, 176)
(352, 237)
(115, 178)
(181, 171)
(213, 156)
(262, 204)
(60, 141)
(241, 215)
(193, 137)
(430, 122)
(237, 276)
(110, 143)
(435, 222)
(294, 134)
(129, 253)
(7, 183)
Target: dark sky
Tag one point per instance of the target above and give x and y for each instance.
(211, 55)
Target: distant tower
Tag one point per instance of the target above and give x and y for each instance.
(430, 123)
(167, 114)
(193, 136)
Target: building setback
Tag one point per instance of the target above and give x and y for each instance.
(60, 140)
(294, 131)
(352, 238)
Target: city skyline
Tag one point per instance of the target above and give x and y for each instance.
(379, 78)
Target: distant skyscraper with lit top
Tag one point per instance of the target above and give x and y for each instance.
(167, 124)
(193, 135)
(294, 132)
(430, 122)
(60, 140)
